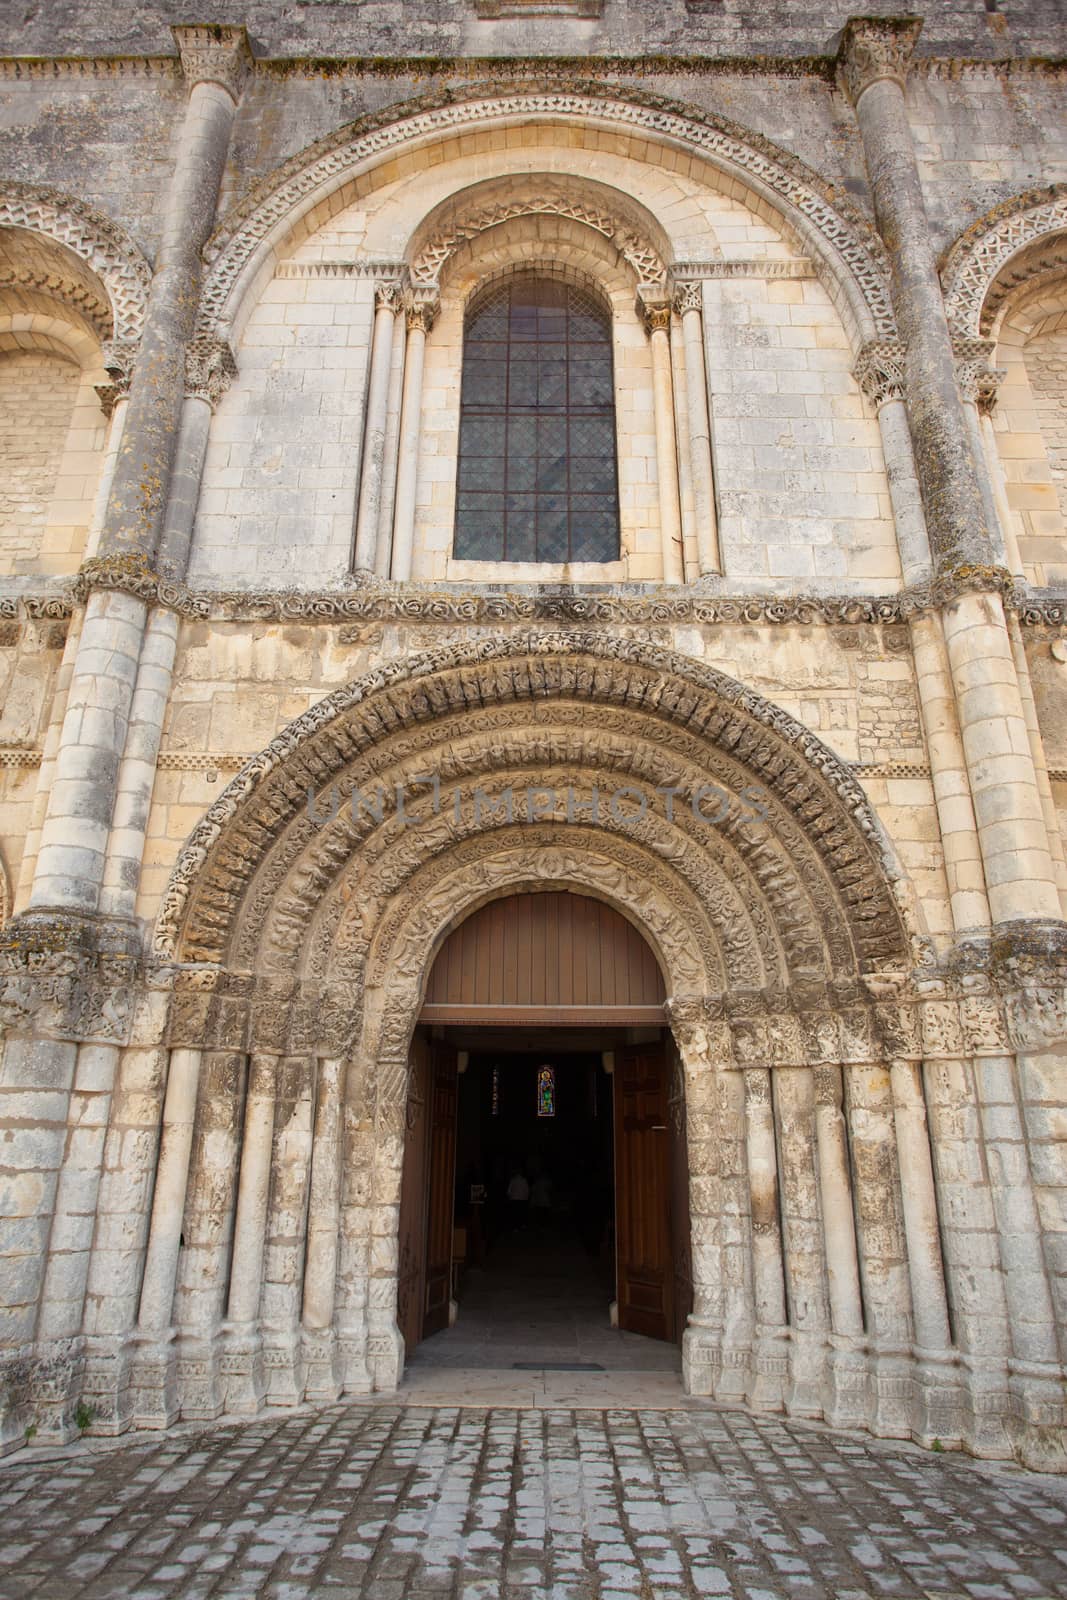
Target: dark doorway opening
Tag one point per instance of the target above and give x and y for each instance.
(544, 1215)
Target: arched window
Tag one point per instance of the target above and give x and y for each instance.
(537, 477)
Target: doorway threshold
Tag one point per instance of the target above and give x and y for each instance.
(556, 1366)
(546, 1389)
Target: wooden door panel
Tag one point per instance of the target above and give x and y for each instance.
(411, 1269)
(441, 1188)
(645, 1268)
(681, 1231)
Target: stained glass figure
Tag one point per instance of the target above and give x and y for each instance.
(537, 477)
(546, 1091)
(495, 1096)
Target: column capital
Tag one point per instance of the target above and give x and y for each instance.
(879, 371)
(214, 54)
(977, 378)
(389, 296)
(688, 297)
(422, 307)
(654, 307)
(118, 358)
(210, 366)
(874, 48)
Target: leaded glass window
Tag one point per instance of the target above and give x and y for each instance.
(537, 477)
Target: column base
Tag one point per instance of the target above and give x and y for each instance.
(199, 1381)
(106, 1386)
(240, 1366)
(770, 1369)
(892, 1390)
(847, 1403)
(283, 1366)
(322, 1365)
(940, 1404)
(154, 1400)
(1039, 1415)
(701, 1359)
(58, 1410)
(807, 1364)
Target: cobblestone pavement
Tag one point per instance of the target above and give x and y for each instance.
(399, 1503)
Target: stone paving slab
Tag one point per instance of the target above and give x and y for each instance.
(403, 1503)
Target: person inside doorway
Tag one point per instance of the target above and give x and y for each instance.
(518, 1200)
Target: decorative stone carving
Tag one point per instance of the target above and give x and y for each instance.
(977, 379)
(853, 250)
(120, 266)
(688, 297)
(389, 297)
(876, 48)
(210, 367)
(654, 309)
(421, 309)
(66, 977)
(215, 54)
(432, 257)
(879, 371)
(982, 253)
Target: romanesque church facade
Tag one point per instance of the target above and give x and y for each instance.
(534, 520)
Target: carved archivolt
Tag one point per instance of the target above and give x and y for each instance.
(843, 238)
(103, 246)
(255, 854)
(444, 237)
(980, 255)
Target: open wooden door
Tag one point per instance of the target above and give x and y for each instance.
(681, 1232)
(644, 1261)
(440, 1188)
(411, 1271)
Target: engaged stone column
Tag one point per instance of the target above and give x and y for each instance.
(210, 367)
(245, 1384)
(835, 1193)
(320, 1263)
(770, 1359)
(879, 371)
(421, 314)
(156, 1377)
(214, 60)
(383, 558)
(387, 305)
(287, 1224)
(656, 309)
(1011, 828)
(875, 53)
(919, 1197)
(689, 303)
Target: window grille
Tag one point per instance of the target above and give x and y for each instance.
(537, 474)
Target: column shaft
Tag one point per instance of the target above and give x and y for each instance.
(696, 384)
(137, 772)
(919, 1199)
(373, 465)
(1011, 824)
(419, 321)
(383, 557)
(763, 1196)
(320, 1268)
(142, 473)
(835, 1195)
(954, 508)
(964, 871)
(168, 1201)
(246, 1272)
(189, 456)
(670, 511)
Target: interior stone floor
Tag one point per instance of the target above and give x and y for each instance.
(540, 1300)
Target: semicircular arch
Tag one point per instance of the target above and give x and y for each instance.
(259, 860)
(114, 263)
(777, 185)
(1020, 239)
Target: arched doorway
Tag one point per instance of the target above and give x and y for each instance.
(545, 1180)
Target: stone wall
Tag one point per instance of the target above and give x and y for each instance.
(37, 394)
